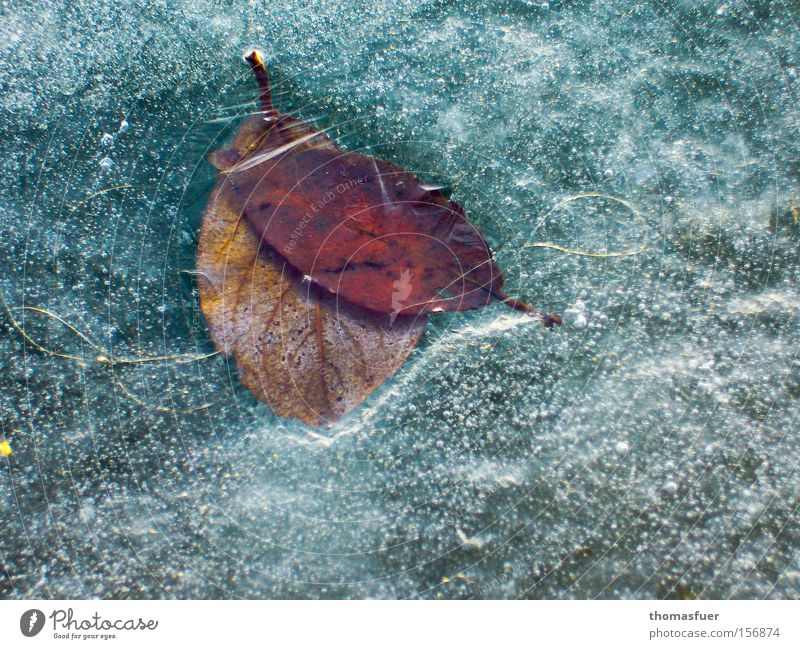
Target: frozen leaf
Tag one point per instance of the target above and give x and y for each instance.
(354, 224)
(307, 354)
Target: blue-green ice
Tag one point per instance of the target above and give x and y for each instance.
(647, 448)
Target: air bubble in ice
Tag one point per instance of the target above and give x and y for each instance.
(576, 315)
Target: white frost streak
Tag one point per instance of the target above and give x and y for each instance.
(384, 193)
(263, 157)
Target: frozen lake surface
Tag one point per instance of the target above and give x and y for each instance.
(647, 448)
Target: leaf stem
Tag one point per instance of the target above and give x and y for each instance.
(262, 78)
(547, 319)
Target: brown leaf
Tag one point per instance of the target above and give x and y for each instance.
(306, 353)
(356, 225)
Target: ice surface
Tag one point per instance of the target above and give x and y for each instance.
(648, 448)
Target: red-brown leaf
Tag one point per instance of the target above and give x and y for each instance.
(307, 354)
(355, 224)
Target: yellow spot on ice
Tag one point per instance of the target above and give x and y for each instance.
(5, 448)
